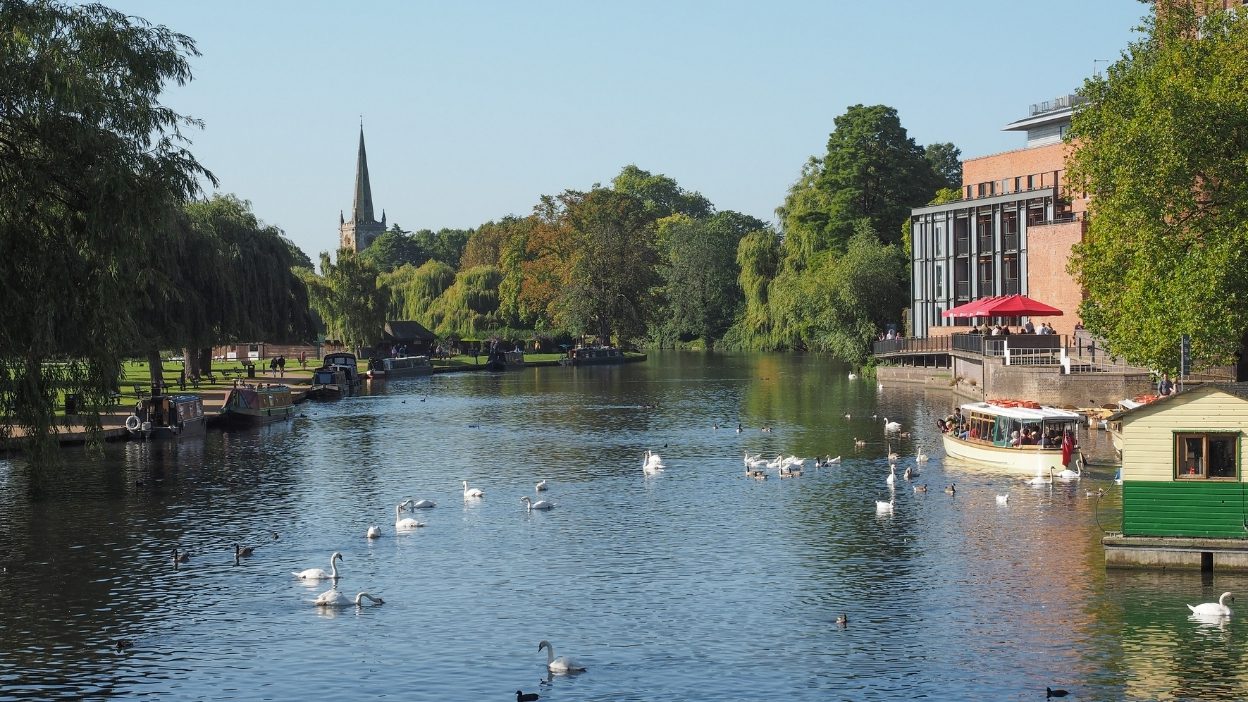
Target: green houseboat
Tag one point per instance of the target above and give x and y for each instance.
(1184, 496)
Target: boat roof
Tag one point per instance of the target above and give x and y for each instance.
(1024, 413)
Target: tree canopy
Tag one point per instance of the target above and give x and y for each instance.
(1160, 150)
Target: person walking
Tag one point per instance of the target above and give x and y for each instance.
(281, 366)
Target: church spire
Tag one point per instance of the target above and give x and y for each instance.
(362, 209)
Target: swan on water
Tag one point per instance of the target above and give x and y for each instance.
(882, 507)
(561, 665)
(373, 532)
(891, 426)
(1040, 479)
(832, 461)
(859, 442)
(1213, 609)
(530, 505)
(893, 456)
(853, 376)
(334, 598)
(652, 463)
(1003, 499)
(909, 474)
(1068, 474)
(318, 574)
(921, 458)
(402, 523)
(422, 504)
(470, 493)
(892, 476)
(540, 487)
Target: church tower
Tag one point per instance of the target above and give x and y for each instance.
(358, 231)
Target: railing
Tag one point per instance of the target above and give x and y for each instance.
(936, 344)
(963, 290)
(1010, 286)
(962, 246)
(1010, 241)
(985, 245)
(980, 344)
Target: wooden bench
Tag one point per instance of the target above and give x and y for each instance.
(140, 391)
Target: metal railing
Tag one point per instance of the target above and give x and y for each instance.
(936, 344)
(962, 246)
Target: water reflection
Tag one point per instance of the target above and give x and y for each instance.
(699, 583)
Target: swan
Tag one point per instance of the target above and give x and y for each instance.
(909, 474)
(540, 487)
(1040, 479)
(853, 376)
(892, 476)
(402, 523)
(530, 505)
(1213, 609)
(1003, 499)
(832, 461)
(652, 463)
(373, 532)
(859, 443)
(470, 493)
(334, 598)
(882, 507)
(318, 574)
(893, 456)
(422, 504)
(921, 458)
(1068, 474)
(891, 426)
(561, 665)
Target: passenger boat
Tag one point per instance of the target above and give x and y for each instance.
(403, 365)
(167, 417)
(988, 435)
(252, 405)
(504, 360)
(338, 375)
(596, 356)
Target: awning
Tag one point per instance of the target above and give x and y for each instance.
(1003, 306)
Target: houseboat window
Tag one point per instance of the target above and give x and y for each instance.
(1206, 456)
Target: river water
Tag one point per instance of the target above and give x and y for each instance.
(696, 584)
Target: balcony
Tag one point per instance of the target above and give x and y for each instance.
(1010, 241)
(1010, 286)
(985, 245)
(963, 289)
(962, 246)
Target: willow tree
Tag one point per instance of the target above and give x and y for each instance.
(91, 163)
(1160, 149)
(347, 297)
(412, 290)
(469, 307)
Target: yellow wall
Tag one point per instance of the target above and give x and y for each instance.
(1148, 433)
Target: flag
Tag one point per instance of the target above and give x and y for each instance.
(1068, 447)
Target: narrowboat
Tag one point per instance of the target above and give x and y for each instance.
(252, 405)
(379, 368)
(597, 356)
(338, 376)
(167, 417)
(504, 360)
(1017, 436)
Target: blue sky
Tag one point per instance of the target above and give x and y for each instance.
(473, 110)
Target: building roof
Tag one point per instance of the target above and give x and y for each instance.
(407, 331)
(1239, 390)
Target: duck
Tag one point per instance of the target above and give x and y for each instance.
(530, 505)
(1050, 692)
(891, 426)
(1040, 479)
(472, 493)
(561, 665)
(373, 532)
(319, 574)
(921, 488)
(882, 507)
(843, 620)
(522, 696)
(952, 489)
(541, 486)
(788, 471)
(402, 523)
(756, 474)
(123, 644)
(1099, 492)
(243, 551)
(1213, 609)
(334, 598)
(1003, 499)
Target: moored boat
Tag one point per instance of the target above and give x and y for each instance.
(260, 404)
(338, 376)
(596, 356)
(1022, 437)
(403, 365)
(504, 360)
(167, 417)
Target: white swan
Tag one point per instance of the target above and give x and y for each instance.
(422, 504)
(652, 463)
(318, 574)
(891, 426)
(402, 523)
(909, 474)
(1068, 474)
(1003, 499)
(334, 598)
(1213, 609)
(893, 456)
(373, 532)
(921, 458)
(561, 665)
(470, 493)
(1040, 479)
(882, 507)
(530, 505)
(832, 461)
(853, 376)
(892, 476)
(540, 487)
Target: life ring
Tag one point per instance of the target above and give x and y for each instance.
(132, 423)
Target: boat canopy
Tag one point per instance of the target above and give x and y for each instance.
(1022, 413)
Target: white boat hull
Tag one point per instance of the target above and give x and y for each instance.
(1025, 460)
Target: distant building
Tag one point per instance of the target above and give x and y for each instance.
(358, 231)
(1011, 233)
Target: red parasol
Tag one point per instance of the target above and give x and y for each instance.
(1003, 306)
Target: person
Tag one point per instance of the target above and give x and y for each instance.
(1029, 328)
(1165, 387)
(1005, 330)
(890, 335)
(974, 329)
(1078, 326)
(182, 379)
(281, 366)
(303, 359)
(1016, 439)
(273, 366)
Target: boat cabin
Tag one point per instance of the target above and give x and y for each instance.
(1011, 423)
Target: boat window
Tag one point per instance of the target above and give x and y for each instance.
(1206, 456)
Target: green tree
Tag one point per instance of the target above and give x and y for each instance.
(660, 194)
(91, 166)
(412, 290)
(946, 161)
(758, 259)
(469, 307)
(348, 298)
(394, 248)
(1160, 150)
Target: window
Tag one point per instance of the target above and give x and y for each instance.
(1206, 456)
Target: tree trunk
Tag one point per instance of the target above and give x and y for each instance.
(190, 361)
(156, 370)
(205, 360)
(1241, 360)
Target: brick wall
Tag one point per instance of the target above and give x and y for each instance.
(1048, 252)
(1023, 162)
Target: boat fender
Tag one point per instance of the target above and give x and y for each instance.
(132, 423)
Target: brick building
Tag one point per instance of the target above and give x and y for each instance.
(1011, 233)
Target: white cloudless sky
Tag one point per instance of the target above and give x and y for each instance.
(473, 110)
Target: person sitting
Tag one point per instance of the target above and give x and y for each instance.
(1016, 439)
(974, 434)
